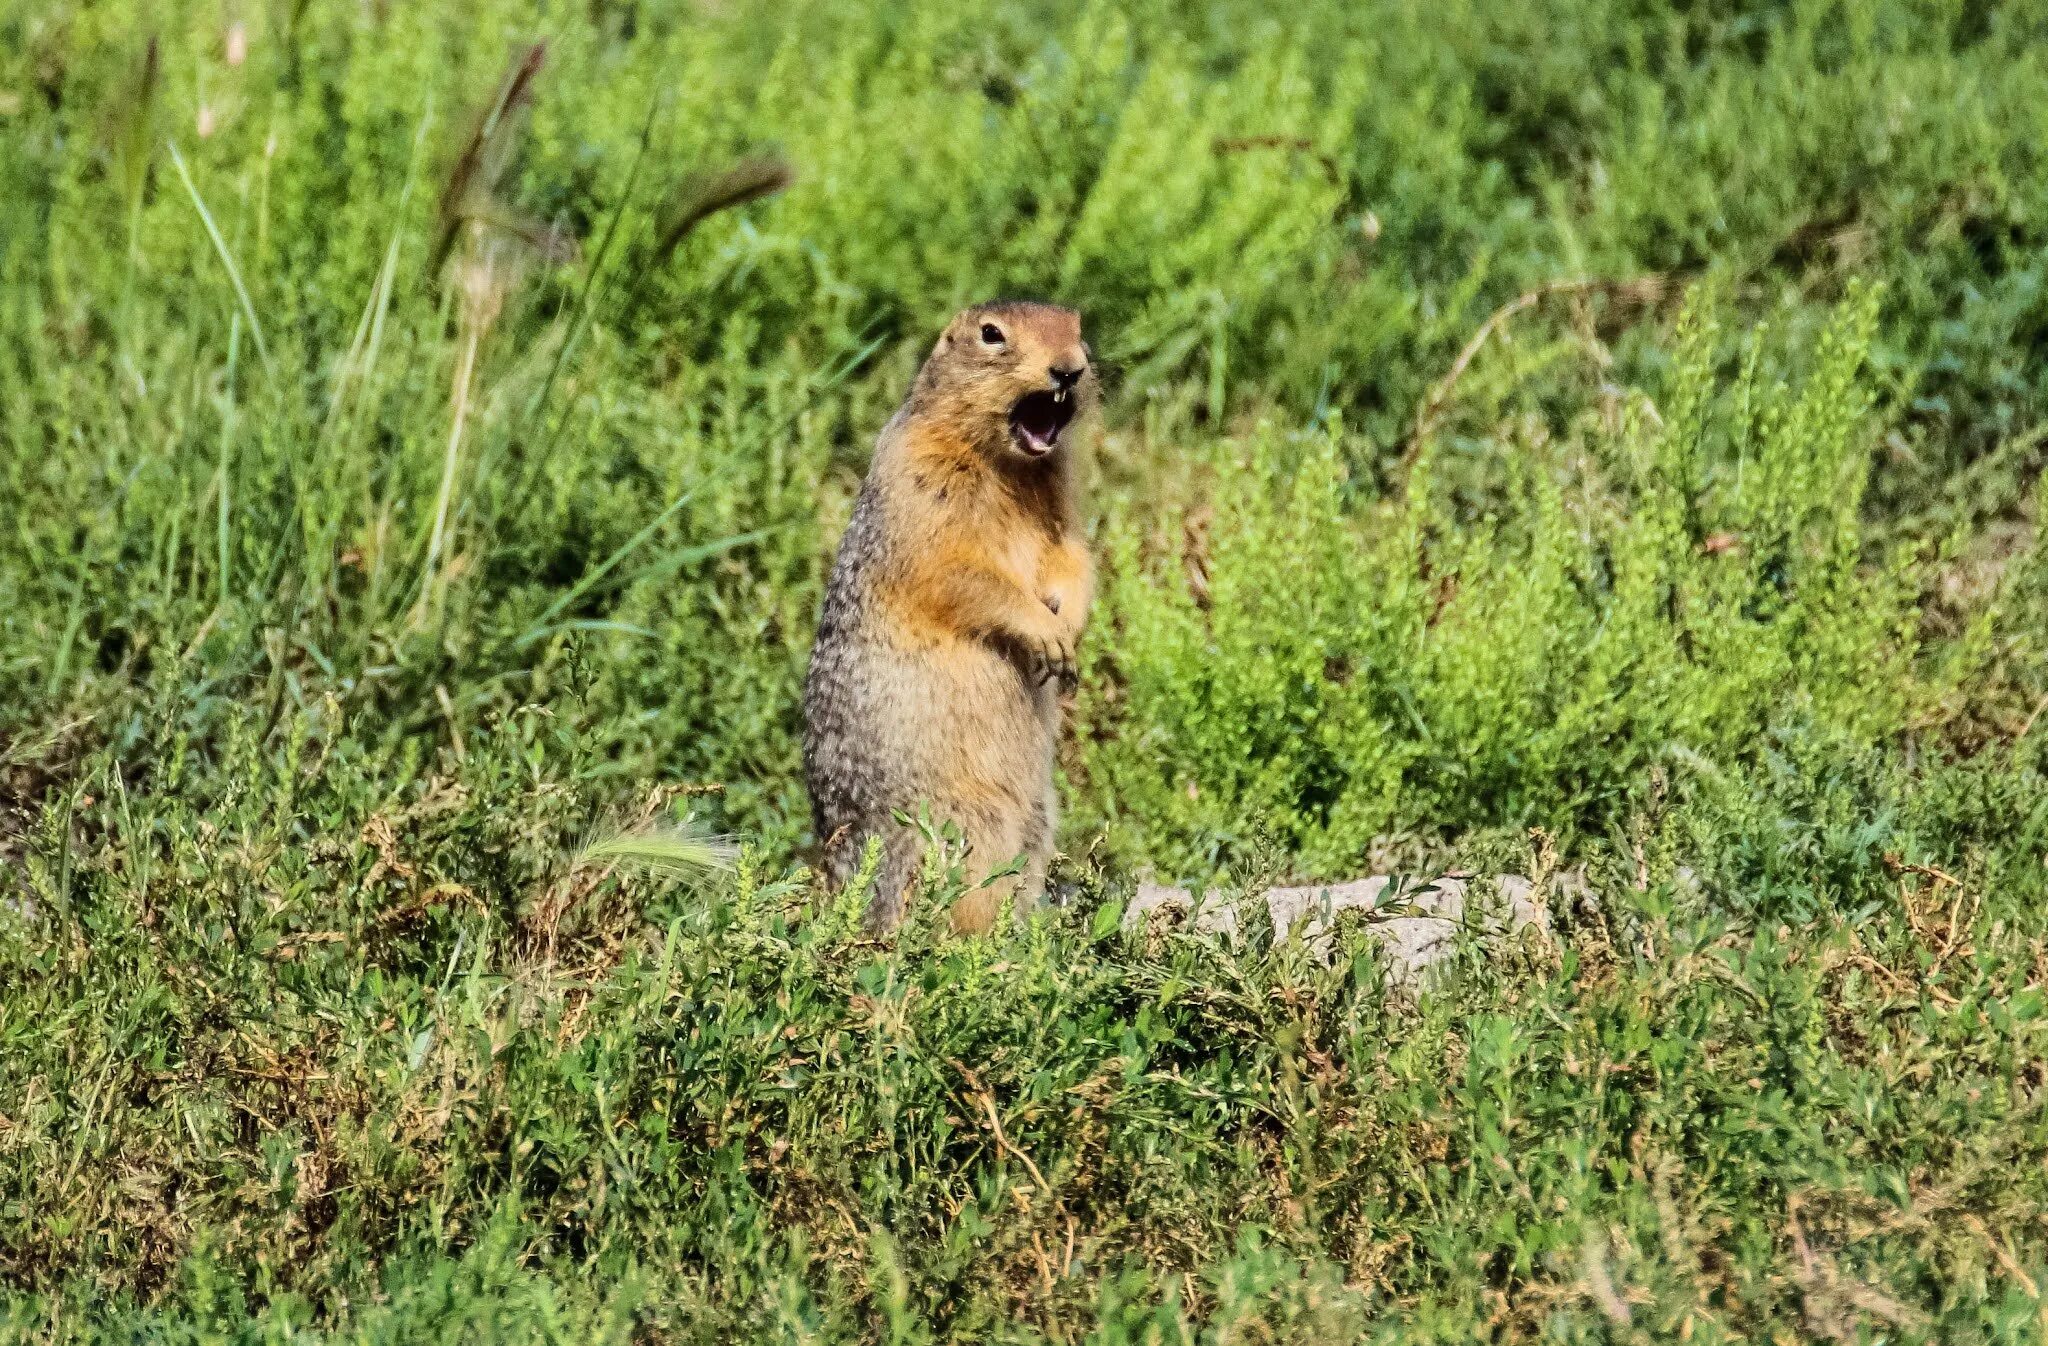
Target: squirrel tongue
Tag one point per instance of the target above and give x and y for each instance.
(1037, 420)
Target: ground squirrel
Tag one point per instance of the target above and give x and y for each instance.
(952, 613)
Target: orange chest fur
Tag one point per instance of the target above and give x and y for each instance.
(996, 540)
(955, 499)
(969, 547)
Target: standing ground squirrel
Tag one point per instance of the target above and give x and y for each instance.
(954, 608)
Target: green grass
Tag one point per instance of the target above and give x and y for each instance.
(420, 453)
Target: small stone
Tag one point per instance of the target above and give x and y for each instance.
(1415, 923)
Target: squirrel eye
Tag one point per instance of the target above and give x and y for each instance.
(991, 334)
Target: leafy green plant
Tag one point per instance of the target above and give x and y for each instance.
(1348, 668)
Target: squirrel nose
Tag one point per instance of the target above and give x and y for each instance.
(1066, 376)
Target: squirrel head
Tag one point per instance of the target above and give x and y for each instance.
(1016, 375)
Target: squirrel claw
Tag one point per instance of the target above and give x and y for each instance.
(1056, 664)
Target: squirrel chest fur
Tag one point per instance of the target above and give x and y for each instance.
(952, 614)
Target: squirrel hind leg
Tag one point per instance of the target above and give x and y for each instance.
(902, 851)
(975, 913)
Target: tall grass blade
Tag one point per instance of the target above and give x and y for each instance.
(361, 360)
(227, 258)
(582, 586)
(227, 442)
(543, 625)
(451, 459)
(581, 317)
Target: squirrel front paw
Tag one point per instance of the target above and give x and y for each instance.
(1055, 660)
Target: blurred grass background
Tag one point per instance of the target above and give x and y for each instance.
(1589, 434)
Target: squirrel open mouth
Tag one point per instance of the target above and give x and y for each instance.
(1037, 419)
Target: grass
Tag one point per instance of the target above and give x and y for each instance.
(1586, 436)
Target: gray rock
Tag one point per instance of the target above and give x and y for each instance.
(1415, 923)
